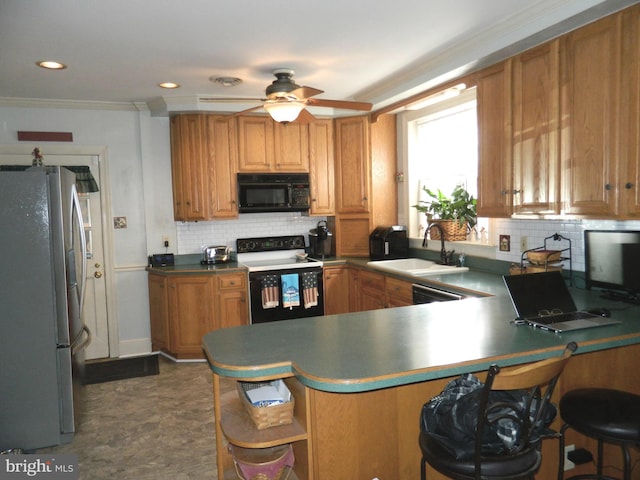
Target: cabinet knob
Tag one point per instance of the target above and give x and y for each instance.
(504, 192)
(232, 282)
(608, 186)
(515, 192)
(313, 200)
(365, 198)
(628, 185)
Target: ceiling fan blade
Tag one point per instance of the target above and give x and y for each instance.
(304, 117)
(320, 102)
(242, 112)
(230, 100)
(305, 92)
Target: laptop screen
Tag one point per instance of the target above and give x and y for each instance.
(539, 293)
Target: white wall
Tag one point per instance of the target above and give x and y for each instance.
(128, 136)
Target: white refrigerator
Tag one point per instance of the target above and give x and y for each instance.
(42, 336)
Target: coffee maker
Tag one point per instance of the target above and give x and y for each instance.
(320, 241)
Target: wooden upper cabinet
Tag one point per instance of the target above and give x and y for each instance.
(268, 146)
(223, 166)
(291, 147)
(321, 168)
(255, 144)
(495, 183)
(353, 167)
(536, 130)
(189, 168)
(591, 68)
(629, 180)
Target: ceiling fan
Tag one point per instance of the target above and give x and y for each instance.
(286, 101)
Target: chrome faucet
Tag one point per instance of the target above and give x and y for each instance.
(445, 257)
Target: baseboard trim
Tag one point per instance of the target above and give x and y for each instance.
(99, 371)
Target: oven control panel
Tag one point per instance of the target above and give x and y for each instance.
(268, 244)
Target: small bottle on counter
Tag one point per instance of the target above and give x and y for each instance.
(461, 259)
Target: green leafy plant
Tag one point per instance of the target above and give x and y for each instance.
(460, 206)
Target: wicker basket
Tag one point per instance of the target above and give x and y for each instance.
(274, 463)
(543, 257)
(265, 417)
(453, 230)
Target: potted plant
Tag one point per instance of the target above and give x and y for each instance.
(456, 214)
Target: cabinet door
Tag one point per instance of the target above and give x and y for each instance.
(223, 166)
(291, 147)
(352, 235)
(255, 144)
(321, 168)
(495, 189)
(232, 305)
(336, 290)
(398, 292)
(189, 151)
(536, 110)
(159, 312)
(630, 124)
(352, 164)
(372, 294)
(191, 313)
(590, 99)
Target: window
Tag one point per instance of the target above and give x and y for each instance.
(441, 152)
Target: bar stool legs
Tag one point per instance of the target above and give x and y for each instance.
(607, 415)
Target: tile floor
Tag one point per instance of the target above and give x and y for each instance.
(156, 427)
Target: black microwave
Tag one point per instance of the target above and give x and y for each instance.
(273, 192)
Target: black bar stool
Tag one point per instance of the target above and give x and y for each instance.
(607, 415)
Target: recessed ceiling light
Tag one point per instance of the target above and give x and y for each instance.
(51, 65)
(226, 81)
(169, 85)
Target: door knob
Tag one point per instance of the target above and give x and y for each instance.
(97, 265)
(98, 274)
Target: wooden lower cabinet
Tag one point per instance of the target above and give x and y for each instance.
(336, 289)
(183, 308)
(371, 434)
(399, 293)
(368, 290)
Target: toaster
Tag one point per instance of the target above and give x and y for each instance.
(219, 254)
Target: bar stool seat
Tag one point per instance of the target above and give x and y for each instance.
(608, 415)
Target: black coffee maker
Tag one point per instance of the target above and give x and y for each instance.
(320, 241)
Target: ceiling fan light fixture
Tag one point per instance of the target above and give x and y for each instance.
(284, 112)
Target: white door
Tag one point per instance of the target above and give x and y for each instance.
(94, 312)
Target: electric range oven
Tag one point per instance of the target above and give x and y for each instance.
(281, 286)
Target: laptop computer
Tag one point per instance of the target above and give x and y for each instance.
(543, 300)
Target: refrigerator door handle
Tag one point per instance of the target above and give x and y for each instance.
(79, 343)
(76, 209)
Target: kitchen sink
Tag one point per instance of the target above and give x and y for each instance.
(415, 266)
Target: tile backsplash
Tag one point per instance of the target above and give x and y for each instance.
(192, 236)
(536, 231)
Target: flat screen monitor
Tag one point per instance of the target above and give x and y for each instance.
(612, 262)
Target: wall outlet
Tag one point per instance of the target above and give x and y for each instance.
(165, 241)
(523, 243)
(568, 464)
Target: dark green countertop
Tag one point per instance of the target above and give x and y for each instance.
(384, 348)
(198, 268)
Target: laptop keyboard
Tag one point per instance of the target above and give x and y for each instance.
(563, 317)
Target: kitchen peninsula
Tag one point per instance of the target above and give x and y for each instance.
(359, 380)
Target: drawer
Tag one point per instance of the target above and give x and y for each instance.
(232, 281)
